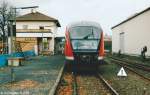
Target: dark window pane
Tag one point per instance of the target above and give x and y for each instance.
(87, 32)
(85, 37)
(41, 27)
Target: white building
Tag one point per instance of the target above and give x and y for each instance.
(131, 35)
(36, 31)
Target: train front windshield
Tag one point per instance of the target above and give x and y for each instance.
(85, 37)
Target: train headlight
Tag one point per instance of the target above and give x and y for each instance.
(100, 57)
(84, 56)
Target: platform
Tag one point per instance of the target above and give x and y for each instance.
(37, 76)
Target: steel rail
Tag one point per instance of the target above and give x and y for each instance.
(137, 65)
(121, 63)
(75, 85)
(111, 89)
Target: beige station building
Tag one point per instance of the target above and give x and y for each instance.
(131, 35)
(36, 31)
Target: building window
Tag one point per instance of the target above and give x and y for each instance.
(41, 27)
(25, 26)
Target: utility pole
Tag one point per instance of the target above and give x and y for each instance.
(12, 36)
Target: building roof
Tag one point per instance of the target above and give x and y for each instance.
(137, 14)
(37, 16)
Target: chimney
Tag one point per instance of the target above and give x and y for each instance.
(33, 10)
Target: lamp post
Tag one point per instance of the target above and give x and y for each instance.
(12, 39)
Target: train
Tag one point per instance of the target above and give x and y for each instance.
(84, 44)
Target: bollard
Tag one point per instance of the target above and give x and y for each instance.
(12, 75)
(144, 91)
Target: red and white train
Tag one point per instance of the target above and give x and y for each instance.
(84, 43)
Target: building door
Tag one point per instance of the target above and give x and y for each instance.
(121, 43)
(45, 44)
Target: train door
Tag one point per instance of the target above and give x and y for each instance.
(121, 43)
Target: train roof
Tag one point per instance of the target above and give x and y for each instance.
(84, 23)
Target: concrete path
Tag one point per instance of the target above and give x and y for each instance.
(36, 77)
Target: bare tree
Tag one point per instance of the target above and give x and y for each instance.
(6, 13)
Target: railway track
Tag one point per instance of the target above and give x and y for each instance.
(84, 84)
(93, 84)
(141, 66)
(132, 67)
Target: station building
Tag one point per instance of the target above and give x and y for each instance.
(132, 34)
(36, 31)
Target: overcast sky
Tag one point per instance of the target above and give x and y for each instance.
(106, 12)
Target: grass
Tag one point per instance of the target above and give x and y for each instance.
(130, 85)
